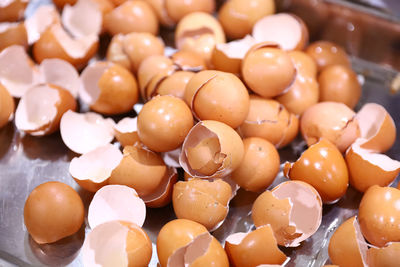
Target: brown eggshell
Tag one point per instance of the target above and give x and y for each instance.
(177, 9)
(152, 87)
(7, 106)
(12, 10)
(326, 53)
(126, 131)
(61, 3)
(259, 166)
(115, 52)
(131, 16)
(339, 83)
(202, 201)
(386, 256)
(322, 166)
(292, 130)
(161, 12)
(379, 215)
(376, 127)
(367, 168)
(268, 62)
(189, 61)
(304, 63)
(164, 122)
(12, 34)
(43, 219)
(331, 120)
(173, 84)
(254, 248)
(347, 246)
(211, 149)
(162, 196)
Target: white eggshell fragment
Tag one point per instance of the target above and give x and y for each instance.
(238, 48)
(126, 125)
(89, 92)
(116, 202)
(85, 132)
(36, 24)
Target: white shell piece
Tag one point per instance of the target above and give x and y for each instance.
(127, 125)
(35, 25)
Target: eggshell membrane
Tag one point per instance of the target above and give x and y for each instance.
(12, 10)
(83, 18)
(7, 106)
(131, 16)
(13, 33)
(95, 131)
(347, 246)
(41, 107)
(115, 52)
(326, 53)
(293, 209)
(43, 219)
(331, 120)
(322, 166)
(259, 166)
(254, 248)
(228, 56)
(177, 9)
(164, 122)
(116, 203)
(44, 17)
(386, 256)
(174, 84)
(266, 61)
(126, 131)
(376, 127)
(92, 170)
(161, 12)
(211, 149)
(379, 215)
(287, 30)
(117, 243)
(188, 61)
(56, 43)
(202, 201)
(367, 168)
(304, 63)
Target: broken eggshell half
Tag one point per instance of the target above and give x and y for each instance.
(116, 202)
(293, 209)
(12, 33)
(92, 170)
(85, 132)
(38, 22)
(126, 131)
(384, 256)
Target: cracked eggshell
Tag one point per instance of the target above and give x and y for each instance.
(44, 17)
(326, 53)
(115, 52)
(161, 12)
(116, 203)
(379, 215)
(331, 120)
(293, 209)
(322, 166)
(117, 243)
(178, 9)
(12, 10)
(347, 246)
(287, 30)
(12, 33)
(131, 16)
(173, 84)
(188, 61)
(377, 128)
(41, 107)
(108, 88)
(254, 248)
(211, 149)
(202, 201)
(386, 256)
(217, 95)
(7, 106)
(266, 61)
(93, 131)
(367, 168)
(55, 42)
(304, 63)
(126, 131)
(92, 170)
(162, 196)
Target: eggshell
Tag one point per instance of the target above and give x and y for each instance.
(116, 203)
(95, 131)
(331, 120)
(266, 61)
(254, 248)
(92, 170)
(161, 12)
(13, 33)
(211, 149)
(322, 166)
(238, 17)
(126, 131)
(189, 61)
(12, 10)
(286, 208)
(304, 63)
(117, 243)
(377, 128)
(287, 30)
(205, 202)
(7, 106)
(61, 3)
(386, 256)
(326, 53)
(367, 168)
(347, 246)
(115, 52)
(164, 122)
(43, 17)
(173, 84)
(259, 166)
(43, 219)
(131, 16)
(177, 9)
(379, 215)
(171, 158)
(41, 107)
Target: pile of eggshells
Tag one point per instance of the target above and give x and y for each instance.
(217, 109)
